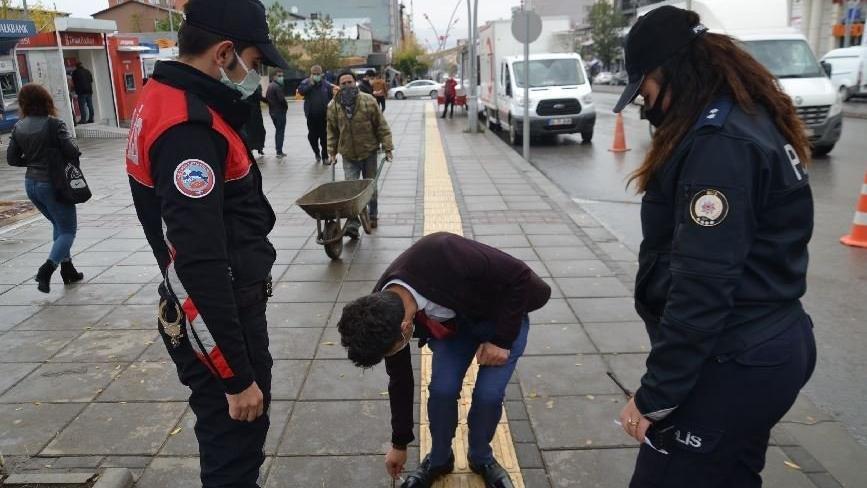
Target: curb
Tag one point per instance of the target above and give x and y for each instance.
(854, 115)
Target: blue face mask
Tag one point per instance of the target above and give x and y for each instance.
(245, 87)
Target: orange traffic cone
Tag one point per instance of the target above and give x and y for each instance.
(619, 136)
(858, 236)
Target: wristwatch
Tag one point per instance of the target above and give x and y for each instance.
(398, 447)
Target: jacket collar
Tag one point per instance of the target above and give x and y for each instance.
(222, 99)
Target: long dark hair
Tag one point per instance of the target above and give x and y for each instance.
(35, 101)
(712, 65)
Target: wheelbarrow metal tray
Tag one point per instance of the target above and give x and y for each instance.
(337, 200)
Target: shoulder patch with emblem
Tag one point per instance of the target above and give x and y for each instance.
(708, 208)
(194, 178)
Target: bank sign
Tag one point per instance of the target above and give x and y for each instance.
(17, 28)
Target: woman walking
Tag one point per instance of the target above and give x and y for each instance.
(727, 214)
(39, 140)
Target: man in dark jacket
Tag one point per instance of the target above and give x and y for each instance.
(366, 85)
(466, 300)
(254, 129)
(82, 82)
(275, 97)
(317, 92)
(198, 194)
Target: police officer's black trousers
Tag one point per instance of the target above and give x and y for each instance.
(718, 437)
(231, 451)
(317, 135)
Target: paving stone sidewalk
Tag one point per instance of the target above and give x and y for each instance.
(85, 383)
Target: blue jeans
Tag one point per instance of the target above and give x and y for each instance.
(451, 358)
(365, 168)
(61, 215)
(279, 119)
(85, 106)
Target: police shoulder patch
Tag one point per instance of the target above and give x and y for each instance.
(708, 208)
(194, 178)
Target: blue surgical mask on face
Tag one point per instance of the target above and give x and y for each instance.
(245, 87)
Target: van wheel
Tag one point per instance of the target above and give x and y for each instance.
(820, 151)
(514, 137)
(587, 136)
(399, 95)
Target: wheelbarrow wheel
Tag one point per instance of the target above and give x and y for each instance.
(332, 230)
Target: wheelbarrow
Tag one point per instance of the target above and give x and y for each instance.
(330, 202)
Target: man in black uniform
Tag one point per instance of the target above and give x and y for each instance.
(198, 194)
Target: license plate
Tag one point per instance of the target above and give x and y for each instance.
(809, 132)
(560, 122)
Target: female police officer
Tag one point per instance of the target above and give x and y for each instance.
(727, 214)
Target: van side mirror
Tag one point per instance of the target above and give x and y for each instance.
(827, 67)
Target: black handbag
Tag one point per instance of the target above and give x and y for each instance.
(69, 183)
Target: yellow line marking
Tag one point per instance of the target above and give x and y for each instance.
(441, 214)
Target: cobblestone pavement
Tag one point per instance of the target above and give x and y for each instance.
(85, 383)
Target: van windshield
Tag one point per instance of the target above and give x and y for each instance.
(550, 72)
(786, 58)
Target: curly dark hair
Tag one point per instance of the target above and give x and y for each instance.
(370, 326)
(35, 101)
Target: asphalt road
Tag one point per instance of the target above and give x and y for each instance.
(837, 296)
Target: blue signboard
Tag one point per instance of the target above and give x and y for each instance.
(12, 30)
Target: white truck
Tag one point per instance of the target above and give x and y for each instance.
(560, 100)
(766, 33)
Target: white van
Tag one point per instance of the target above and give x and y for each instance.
(560, 96)
(848, 70)
(788, 57)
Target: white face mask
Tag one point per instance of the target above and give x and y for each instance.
(248, 85)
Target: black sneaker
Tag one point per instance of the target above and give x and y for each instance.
(352, 233)
(425, 475)
(493, 474)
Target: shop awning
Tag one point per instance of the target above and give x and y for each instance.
(13, 30)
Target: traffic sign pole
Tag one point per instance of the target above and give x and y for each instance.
(526, 140)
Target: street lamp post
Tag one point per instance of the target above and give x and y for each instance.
(472, 102)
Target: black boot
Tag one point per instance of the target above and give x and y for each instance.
(43, 276)
(69, 273)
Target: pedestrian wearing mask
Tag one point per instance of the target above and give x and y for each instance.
(727, 214)
(357, 130)
(34, 143)
(317, 93)
(366, 85)
(275, 97)
(198, 195)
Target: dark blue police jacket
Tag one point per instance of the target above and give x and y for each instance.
(723, 263)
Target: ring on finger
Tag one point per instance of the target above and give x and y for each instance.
(633, 422)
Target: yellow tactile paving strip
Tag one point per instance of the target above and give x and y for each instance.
(441, 214)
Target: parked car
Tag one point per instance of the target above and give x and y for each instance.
(603, 78)
(848, 70)
(620, 78)
(417, 88)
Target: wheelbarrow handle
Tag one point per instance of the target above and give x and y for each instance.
(376, 177)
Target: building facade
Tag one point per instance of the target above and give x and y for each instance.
(384, 15)
(136, 15)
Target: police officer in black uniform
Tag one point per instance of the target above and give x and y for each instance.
(727, 214)
(198, 194)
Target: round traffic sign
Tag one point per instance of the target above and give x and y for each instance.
(526, 25)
